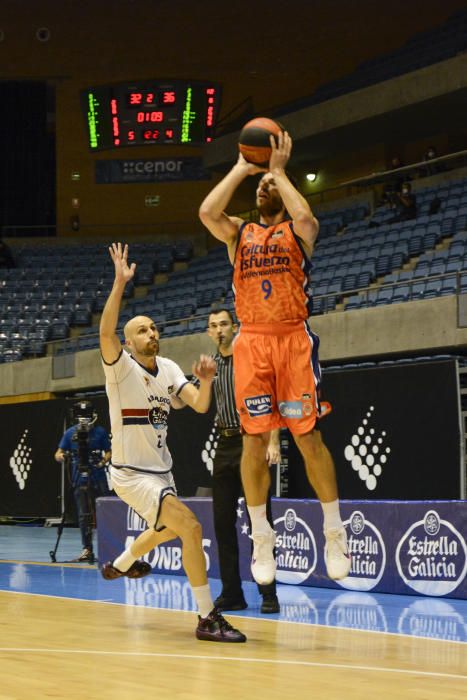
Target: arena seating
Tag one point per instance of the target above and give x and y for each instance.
(360, 260)
(421, 50)
(53, 288)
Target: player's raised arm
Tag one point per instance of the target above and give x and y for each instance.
(212, 210)
(306, 226)
(109, 340)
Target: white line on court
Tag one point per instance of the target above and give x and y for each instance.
(277, 662)
(240, 617)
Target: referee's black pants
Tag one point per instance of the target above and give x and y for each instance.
(226, 490)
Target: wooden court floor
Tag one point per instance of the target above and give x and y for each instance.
(76, 649)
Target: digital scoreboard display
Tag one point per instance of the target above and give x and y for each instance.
(177, 112)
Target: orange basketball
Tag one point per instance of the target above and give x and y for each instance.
(253, 142)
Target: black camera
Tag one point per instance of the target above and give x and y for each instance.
(85, 417)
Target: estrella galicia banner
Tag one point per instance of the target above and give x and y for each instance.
(407, 548)
(119, 172)
(394, 433)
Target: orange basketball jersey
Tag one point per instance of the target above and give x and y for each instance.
(271, 275)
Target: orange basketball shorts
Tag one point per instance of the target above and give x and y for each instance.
(277, 376)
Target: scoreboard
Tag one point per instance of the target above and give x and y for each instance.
(180, 112)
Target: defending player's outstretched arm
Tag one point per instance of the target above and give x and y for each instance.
(200, 398)
(109, 340)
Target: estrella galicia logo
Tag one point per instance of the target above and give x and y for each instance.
(433, 619)
(368, 554)
(358, 611)
(431, 556)
(291, 409)
(158, 418)
(296, 552)
(259, 405)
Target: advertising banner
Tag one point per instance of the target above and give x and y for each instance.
(117, 172)
(411, 548)
(30, 477)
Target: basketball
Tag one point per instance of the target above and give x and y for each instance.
(253, 141)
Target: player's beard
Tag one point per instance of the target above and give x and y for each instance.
(270, 207)
(151, 349)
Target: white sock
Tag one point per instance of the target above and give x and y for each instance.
(124, 560)
(203, 599)
(332, 516)
(259, 520)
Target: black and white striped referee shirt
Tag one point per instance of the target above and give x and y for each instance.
(227, 416)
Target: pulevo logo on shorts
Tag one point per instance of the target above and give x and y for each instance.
(431, 556)
(259, 405)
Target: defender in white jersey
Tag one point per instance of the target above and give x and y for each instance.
(141, 388)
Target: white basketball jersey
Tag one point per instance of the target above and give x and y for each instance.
(139, 403)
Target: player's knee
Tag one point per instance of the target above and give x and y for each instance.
(254, 448)
(191, 529)
(310, 443)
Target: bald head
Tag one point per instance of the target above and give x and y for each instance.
(142, 337)
(134, 324)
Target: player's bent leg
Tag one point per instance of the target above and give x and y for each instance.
(176, 516)
(321, 474)
(128, 563)
(212, 627)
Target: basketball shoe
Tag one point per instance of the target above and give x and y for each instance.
(137, 570)
(263, 564)
(215, 628)
(336, 553)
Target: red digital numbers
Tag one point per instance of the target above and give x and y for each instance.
(131, 135)
(210, 92)
(141, 98)
(115, 123)
(150, 116)
(169, 133)
(168, 97)
(151, 134)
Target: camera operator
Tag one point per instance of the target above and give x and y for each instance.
(88, 447)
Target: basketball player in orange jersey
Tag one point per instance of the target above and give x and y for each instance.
(276, 365)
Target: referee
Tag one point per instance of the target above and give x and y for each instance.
(227, 485)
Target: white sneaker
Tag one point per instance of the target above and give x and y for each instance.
(336, 553)
(263, 564)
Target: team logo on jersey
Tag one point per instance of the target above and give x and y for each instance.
(259, 405)
(277, 234)
(158, 418)
(249, 236)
